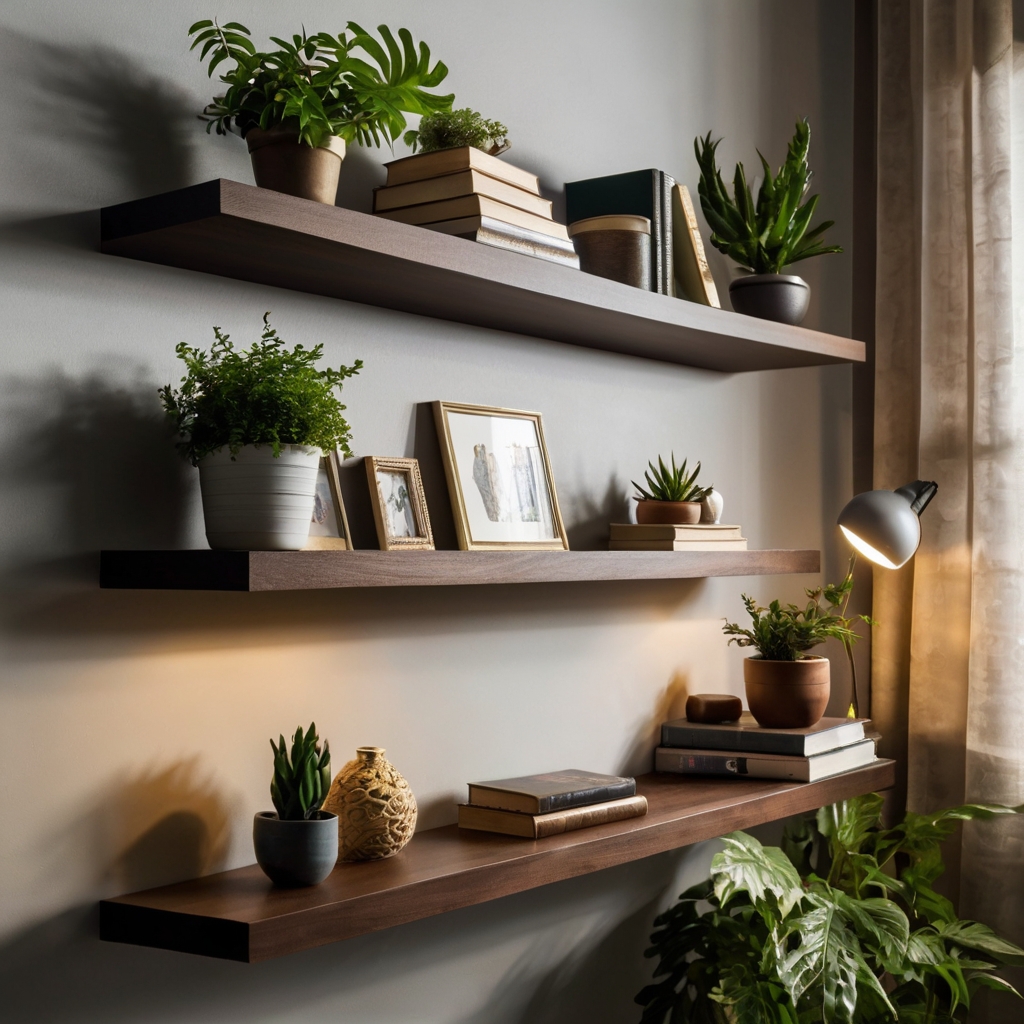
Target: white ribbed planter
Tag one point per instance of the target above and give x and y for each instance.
(257, 502)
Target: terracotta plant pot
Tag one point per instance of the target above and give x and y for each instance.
(787, 694)
(781, 297)
(672, 513)
(294, 853)
(282, 163)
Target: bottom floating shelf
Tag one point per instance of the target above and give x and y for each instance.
(239, 915)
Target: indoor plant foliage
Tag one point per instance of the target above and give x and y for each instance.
(298, 845)
(675, 493)
(322, 84)
(265, 395)
(450, 129)
(841, 925)
(766, 236)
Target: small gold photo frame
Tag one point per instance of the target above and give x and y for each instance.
(328, 530)
(399, 504)
(499, 478)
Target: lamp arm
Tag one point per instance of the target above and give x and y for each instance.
(919, 494)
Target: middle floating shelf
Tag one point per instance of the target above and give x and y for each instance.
(322, 570)
(253, 234)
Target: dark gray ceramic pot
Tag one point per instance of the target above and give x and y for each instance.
(781, 297)
(294, 853)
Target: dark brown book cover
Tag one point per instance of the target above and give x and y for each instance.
(551, 791)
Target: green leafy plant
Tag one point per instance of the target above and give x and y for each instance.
(841, 925)
(773, 233)
(267, 394)
(671, 484)
(784, 632)
(448, 129)
(324, 85)
(302, 780)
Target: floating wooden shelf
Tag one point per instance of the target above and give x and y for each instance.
(239, 915)
(234, 230)
(319, 570)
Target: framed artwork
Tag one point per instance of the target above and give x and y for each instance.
(329, 527)
(499, 478)
(399, 505)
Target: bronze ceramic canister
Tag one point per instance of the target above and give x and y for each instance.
(617, 247)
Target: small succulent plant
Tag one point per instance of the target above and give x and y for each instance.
(671, 484)
(300, 782)
(449, 129)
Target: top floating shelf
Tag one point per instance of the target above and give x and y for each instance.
(253, 234)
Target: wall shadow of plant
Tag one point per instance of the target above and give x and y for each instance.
(587, 516)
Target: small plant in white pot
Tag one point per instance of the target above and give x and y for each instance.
(768, 236)
(672, 496)
(298, 843)
(255, 423)
(786, 687)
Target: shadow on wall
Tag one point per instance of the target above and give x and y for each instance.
(585, 963)
(98, 103)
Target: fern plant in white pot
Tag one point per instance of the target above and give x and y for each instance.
(256, 422)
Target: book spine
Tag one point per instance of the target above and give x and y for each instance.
(667, 254)
(582, 797)
(747, 741)
(587, 817)
(657, 246)
(682, 762)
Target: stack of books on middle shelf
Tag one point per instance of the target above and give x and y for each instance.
(536, 806)
(467, 192)
(743, 748)
(656, 537)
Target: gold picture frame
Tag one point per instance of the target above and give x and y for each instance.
(399, 504)
(503, 496)
(329, 529)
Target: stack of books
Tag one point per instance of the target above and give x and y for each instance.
(467, 192)
(744, 748)
(698, 537)
(536, 806)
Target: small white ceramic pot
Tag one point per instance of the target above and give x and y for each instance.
(256, 502)
(711, 507)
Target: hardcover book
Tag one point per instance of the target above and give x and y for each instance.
(665, 531)
(501, 235)
(551, 791)
(450, 161)
(475, 206)
(537, 826)
(692, 273)
(451, 186)
(765, 766)
(749, 737)
(684, 544)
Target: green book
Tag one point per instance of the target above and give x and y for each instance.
(642, 193)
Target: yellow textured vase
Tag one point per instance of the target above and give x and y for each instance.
(375, 807)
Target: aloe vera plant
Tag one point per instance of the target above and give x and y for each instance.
(671, 484)
(769, 235)
(301, 780)
(841, 925)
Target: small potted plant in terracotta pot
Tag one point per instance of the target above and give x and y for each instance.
(786, 687)
(671, 496)
(298, 843)
(766, 237)
(256, 422)
(298, 106)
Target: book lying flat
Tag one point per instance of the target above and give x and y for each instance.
(727, 544)
(551, 791)
(451, 186)
(450, 161)
(489, 231)
(537, 826)
(475, 206)
(667, 531)
(765, 766)
(746, 735)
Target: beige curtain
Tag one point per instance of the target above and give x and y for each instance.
(948, 657)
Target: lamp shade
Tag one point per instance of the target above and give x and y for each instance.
(882, 526)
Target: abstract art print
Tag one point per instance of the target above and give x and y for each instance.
(399, 504)
(328, 529)
(499, 478)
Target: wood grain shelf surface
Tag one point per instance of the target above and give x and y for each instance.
(319, 570)
(240, 231)
(239, 915)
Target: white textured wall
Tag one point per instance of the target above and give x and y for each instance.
(133, 726)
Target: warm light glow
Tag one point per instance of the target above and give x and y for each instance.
(868, 551)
